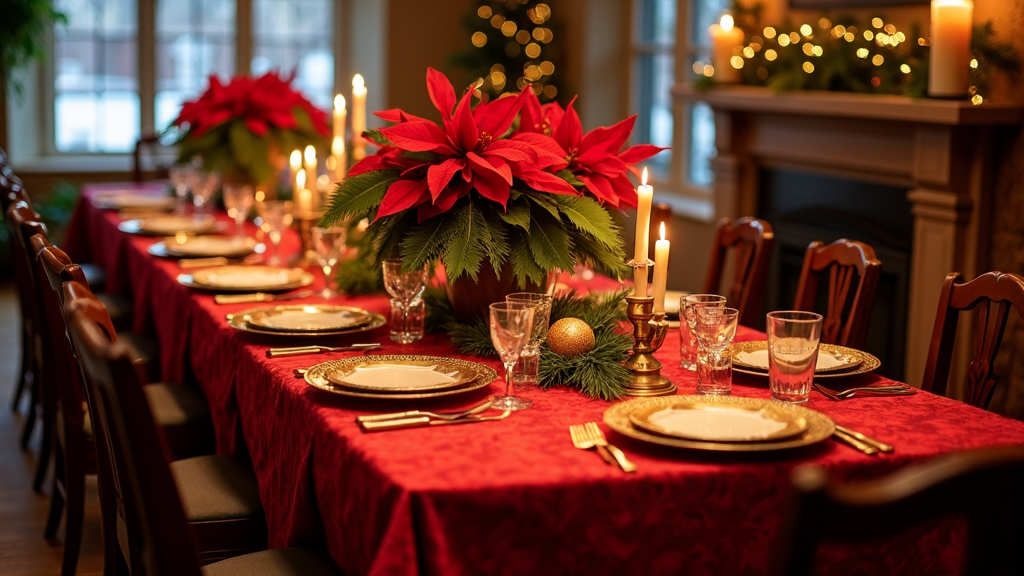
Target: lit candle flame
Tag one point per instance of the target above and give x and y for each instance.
(726, 22)
(339, 102)
(662, 230)
(643, 179)
(295, 160)
(357, 82)
(310, 155)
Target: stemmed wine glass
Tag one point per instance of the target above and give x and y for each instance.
(238, 200)
(203, 185)
(179, 176)
(511, 328)
(407, 309)
(277, 217)
(328, 243)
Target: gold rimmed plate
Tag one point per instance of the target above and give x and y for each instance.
(406, 374)
(718, 422)
(129, 200)
(308, 318)
(819, 426)
(247, 279)
(316, 377)
(238, 322)
(185, 246)
(833, 361)
(168, 225)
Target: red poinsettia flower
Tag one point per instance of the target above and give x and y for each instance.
(597, 158)
(468, 151)
(261, 103)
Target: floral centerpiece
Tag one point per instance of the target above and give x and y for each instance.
(500, 203)
(244, 128)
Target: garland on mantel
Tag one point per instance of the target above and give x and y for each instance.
(843, 55)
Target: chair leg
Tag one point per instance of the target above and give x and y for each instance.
(25, 373)
(75, 486)
(59, 485)
(45, 447)
(30, 417)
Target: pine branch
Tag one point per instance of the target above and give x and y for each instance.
(359, 196)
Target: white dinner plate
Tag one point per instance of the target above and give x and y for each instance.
(252, 278)
(132, 200)
(715, 422)
(308, 318)
(185, 246)
(169, 225)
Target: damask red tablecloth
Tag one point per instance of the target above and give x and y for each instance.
(514, 496)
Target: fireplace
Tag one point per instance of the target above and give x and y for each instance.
(929, 157)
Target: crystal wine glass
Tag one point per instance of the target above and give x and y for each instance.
(277, 217)
(405, 288)
(688, 319)
(511, 328)
(238, 200)
(179, 176)
(203, 185)
(328, 243)
(529, 360)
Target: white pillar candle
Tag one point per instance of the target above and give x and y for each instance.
(295, 165)
(303, 197)
(645, 196)
(340, 158)
(309, 155)
(724, 38)
(950, 52)
(661, 248)
(358, 117)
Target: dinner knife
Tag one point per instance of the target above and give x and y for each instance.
(259, 297)
(425, 421)
(855, 443)
(300, 350)
(881, 446)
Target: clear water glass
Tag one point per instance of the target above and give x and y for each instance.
(203, 185)
(714, 330)
(687, 320)
(511, 329)
(277, 217)
(793, 339)
(405, 288)
(238, 201)
(179, 177)
(528, 366)
(328, 244)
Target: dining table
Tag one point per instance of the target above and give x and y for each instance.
(512, 496)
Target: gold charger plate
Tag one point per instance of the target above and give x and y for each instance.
(129, 200)
(260, 279)
(168, 225)
(238, 322)
(383, 376)
(862, 363)
(185, 246)
(316, 378)
(718, 422)
(308, 318)
(819, 426)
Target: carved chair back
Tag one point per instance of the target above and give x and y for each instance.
(751, 242)
(853, 273)
(992, 294)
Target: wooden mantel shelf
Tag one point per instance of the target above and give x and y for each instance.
(849, 105)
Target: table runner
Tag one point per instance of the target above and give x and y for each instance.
(514, 497)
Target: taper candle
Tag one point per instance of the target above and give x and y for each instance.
(295, 165)
(661, 249)
(358, 117)
(310, 162)
(645, 196)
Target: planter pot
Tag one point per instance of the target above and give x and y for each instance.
(471, 299)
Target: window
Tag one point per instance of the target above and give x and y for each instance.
(655, 62)
(103, 95)
(701, 125)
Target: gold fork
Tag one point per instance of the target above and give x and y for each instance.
(594, 434)
(581, 440)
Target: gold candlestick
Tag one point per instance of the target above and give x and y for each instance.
(303, 222)
(649, 331)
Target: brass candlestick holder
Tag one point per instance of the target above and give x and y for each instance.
(303, 222)
(649, 331)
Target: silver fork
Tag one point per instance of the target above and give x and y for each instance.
(594, 433)
(894, 390)
(581, 440)
(446, 416)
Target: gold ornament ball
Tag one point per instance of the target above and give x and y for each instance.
(570, 337)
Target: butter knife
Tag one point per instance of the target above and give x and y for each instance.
(881, 446)
(300, 350)
(854, 443)
(425, 421)
(259, 297)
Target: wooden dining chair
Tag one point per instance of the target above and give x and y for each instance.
(751, 242)
(850, 265)
(150, 146)
(12, 192)
(981, 486)
(158, 501)
(992, 294)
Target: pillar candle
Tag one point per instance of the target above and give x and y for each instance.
(303, 197)
(724, 37)
(950, 52)
(358, 117)
(310, 161)
(340, 158)
(340, 116)
(661, 248)
(645, 195)
(295, 165)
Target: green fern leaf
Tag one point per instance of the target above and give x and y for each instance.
(524, 266)
(358, 196)
(587, 215)
(466, 247)
(425, 242)
(549, 242)
(517, 214)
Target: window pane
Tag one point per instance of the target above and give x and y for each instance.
(96, 102)
(194, 39)
(702, 144)
(705, 13)
(655, 76)
(284, 40)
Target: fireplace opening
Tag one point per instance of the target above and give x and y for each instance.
(804, 207)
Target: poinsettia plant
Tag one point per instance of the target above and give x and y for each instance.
(480, 188)
(243, 128)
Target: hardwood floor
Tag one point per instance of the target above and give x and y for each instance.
(23, 550)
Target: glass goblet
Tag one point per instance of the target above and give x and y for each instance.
(179, 176)
(715, 329)
(238, 200)
(529, 360)
(405, 288)
(328, 244)
(511, 328)
(688, 319)
(203, 185)
(277, 217)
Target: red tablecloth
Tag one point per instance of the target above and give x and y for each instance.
(513, 497)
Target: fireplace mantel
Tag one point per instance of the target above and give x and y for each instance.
(940, 151)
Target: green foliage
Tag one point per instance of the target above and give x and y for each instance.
(361, 274)
(23, 27)
(359, 197)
